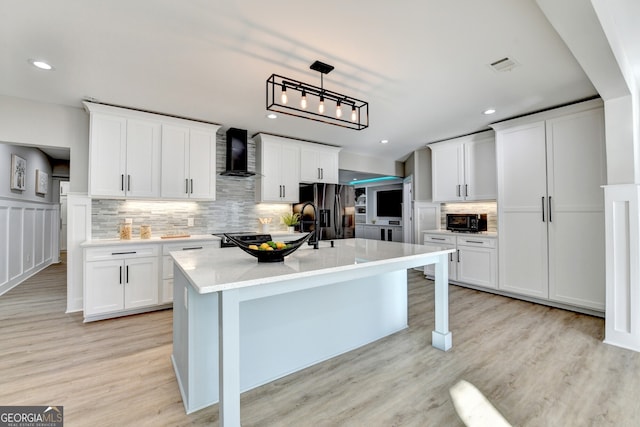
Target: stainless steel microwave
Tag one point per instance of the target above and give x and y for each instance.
(469, 223)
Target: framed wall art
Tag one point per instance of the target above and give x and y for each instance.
(18, 173)
(42, 182)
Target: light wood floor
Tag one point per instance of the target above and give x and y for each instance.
(538, 365)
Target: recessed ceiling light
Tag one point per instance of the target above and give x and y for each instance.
(489, 111)
(272, 116)
(40, 64)
(384, 141)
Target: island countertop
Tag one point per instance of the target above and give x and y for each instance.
(214, 270)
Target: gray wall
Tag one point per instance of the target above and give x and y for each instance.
(35, 159)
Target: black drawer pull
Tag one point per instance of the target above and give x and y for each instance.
(192, 249)
(437, 238)
(474, 241)
(123, 253)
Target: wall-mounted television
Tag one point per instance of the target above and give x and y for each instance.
(389, 203)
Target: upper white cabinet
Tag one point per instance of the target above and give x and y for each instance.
(551, 167)
(464, 168)
(188, 162)
(278, 167)
(318, 163)
(124, 154)
(135, 154)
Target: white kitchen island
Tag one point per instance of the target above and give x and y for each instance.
(239, 324)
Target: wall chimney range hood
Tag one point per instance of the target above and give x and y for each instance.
(237, 154)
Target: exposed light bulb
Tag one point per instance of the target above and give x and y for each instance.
(284, 98)
(338, 110)
(354, 115)
(303, 101)
(321, 105)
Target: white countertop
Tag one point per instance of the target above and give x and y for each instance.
(492, 234)
(214, 270)
(153, 240)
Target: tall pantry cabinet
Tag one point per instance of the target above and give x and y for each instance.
(551, 167)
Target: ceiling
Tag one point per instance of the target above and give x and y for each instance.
(422, 67)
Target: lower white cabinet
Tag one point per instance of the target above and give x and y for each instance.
(475, 261)
(438, 242)
(166, 288)
(128, 278)
(117, 279)
(391, 233)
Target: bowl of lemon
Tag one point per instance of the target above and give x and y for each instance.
(271, 250)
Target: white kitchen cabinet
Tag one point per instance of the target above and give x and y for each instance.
(474, 262)
(188, 162)
(119, 279)
(464, 169)
(438, 242)
(124, 155)
(477, 261)
(166, 289)
(391, 233)
(318, 163)
(278, 167)
(135, 154)
(550, 205)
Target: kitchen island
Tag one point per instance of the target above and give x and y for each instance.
(239, 324)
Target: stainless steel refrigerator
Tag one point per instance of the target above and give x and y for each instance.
(335, 204)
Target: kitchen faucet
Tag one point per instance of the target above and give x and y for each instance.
(316, 225)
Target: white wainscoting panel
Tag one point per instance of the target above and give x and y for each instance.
(622, 222)
(28, 240)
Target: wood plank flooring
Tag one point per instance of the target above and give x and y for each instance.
(538, 365)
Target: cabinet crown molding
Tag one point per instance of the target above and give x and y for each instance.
(549, 114)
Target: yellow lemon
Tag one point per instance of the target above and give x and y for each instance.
(268, 248)
(254, 247)
(264, 246)
(280, 245)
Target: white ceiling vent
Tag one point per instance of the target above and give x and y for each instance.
(504, 64)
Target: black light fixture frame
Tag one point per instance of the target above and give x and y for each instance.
(276, 83)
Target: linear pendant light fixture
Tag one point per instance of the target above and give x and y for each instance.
(296, 98)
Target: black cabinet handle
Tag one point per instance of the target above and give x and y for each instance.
(192, 249)
(474, 241)
(550, 209)
(128, 182)
(542, 208)
(121, 275)
(121, 182)
(458, 190)
(284, 191)
(123, 253)
(466, 190)
(186, 186)
(437, 238)
(191, 186)
(127, 279)
(458, 255)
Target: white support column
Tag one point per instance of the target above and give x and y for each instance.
(622, 219)
(441, 336)
(229, 357)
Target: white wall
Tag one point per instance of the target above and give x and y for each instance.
(369, 164)
(38, 124)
